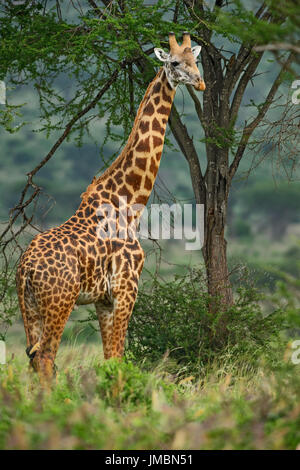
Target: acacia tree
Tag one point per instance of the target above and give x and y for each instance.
(105, 48)
(227, 78)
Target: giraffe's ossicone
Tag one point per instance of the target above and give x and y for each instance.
(86, 260)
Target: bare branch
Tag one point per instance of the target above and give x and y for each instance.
(239, 93)
(197, 104)
(278, 46)
(186, 144)
(248, 130)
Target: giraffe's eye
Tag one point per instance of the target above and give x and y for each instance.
(175, 63)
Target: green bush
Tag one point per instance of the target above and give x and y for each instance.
(123, 383)
(173, 318)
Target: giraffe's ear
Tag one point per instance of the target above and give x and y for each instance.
(161, 54)
(196, 51)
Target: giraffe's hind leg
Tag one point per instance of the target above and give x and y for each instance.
(54, 323)
(34, 328)
(31, 316)
(43, 337)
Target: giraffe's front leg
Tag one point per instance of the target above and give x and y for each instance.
(106, 319)
(123, 306)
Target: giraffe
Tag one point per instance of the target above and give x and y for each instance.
(76, 263)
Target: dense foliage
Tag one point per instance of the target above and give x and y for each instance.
(173, 318)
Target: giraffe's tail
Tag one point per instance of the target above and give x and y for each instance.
(31, 350)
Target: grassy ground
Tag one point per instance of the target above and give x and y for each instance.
(111, 405)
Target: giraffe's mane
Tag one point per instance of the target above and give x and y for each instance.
(137, 119)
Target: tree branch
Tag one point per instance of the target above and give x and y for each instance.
(278, 46)
(187, 147)
(248, 130)
(197, 104)
(244, 56)
(239, 93)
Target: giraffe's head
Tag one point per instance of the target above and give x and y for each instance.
(180, 62)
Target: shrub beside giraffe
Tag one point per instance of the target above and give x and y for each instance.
(72, 264)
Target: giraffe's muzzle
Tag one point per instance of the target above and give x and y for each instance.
(200, 85)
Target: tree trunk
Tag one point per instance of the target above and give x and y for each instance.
(215, 258)
(215, 246)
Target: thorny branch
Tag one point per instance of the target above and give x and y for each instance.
(280, 138)
(249, 128)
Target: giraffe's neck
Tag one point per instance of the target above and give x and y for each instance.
(132, 174)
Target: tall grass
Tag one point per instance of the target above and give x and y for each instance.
(113, 405)
(186, 382)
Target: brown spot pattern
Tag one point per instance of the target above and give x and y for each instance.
(166, 97)
(143, 145)
(134, 180)
(157, 127)
(141, 163)
(157, 141)
(163, 110)
(148, 183)
(144, 126)
(149, 109)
